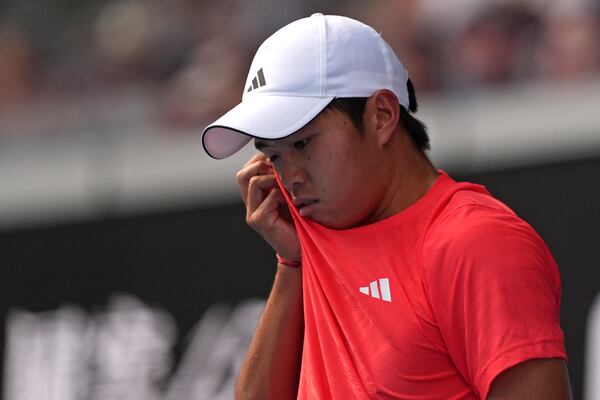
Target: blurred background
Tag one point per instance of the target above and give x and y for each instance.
(126, 268)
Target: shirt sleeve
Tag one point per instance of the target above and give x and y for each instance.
(494, 290)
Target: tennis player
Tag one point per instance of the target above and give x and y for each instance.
(393, 280)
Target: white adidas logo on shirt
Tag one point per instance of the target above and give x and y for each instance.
(378, 291)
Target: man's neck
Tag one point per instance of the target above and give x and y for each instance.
(409, 180)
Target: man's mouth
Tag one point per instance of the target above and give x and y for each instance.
(304, 205)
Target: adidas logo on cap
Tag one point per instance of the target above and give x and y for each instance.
(257, 81)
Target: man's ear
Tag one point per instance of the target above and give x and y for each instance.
(382, 114)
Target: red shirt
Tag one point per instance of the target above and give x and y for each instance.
(431, 303)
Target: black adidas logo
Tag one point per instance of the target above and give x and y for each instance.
(257, 81)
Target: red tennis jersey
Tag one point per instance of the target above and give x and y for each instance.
(431, 303)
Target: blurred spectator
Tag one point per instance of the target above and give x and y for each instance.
(494, 48)
(175, 49)
(569, 47)
(16, 59)
(142, 40)
(416, 44)
(208, 84)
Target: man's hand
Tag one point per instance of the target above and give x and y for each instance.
(271, 369)
(266, 209)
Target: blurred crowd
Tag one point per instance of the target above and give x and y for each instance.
(193, 55)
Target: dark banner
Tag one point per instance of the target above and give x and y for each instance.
(162, 306)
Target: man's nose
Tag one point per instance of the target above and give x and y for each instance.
(292, 175)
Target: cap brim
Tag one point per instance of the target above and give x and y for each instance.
(264, 117)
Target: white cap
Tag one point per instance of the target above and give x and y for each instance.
(298, 71)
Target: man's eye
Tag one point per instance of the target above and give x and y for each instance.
(300, 144)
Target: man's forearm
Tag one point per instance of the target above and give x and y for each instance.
(272, 366)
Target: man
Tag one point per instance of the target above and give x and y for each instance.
(393, 280)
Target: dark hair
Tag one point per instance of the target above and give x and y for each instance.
(354, 108)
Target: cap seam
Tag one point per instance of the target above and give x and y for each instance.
(322, 55)
(386, 58)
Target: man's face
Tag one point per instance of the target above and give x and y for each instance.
(329, 169)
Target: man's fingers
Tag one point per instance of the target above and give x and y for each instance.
(256, 157)
(257, 168)
(258, 187)
(278, 231)
(268, 210)
(266, 218)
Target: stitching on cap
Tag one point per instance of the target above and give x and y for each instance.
(322, 56)
(386, 58)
